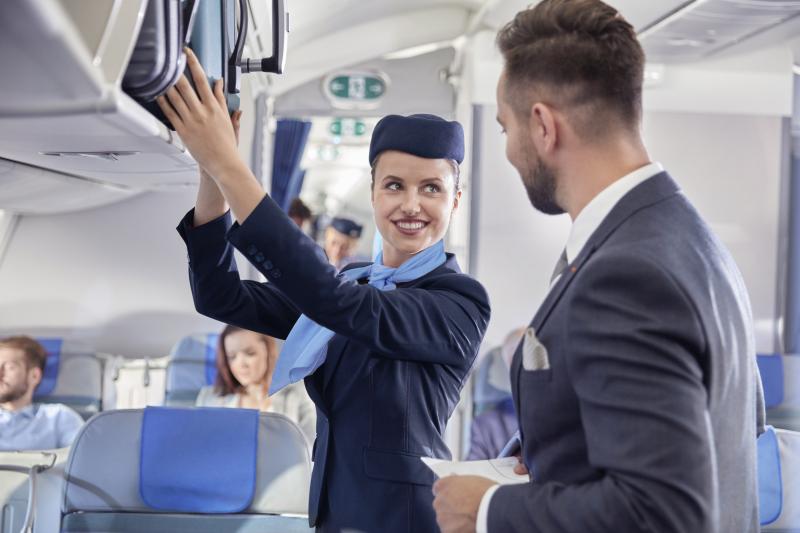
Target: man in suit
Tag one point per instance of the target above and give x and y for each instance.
(635, 385)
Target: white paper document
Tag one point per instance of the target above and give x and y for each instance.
(499, 470)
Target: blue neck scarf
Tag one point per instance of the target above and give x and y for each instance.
(306, 346)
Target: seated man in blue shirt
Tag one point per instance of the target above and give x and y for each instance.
(23, 424)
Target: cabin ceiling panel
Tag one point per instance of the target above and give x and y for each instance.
(415, 85)
(358, 43)
(638, 12)
(30, 190)
(311, 20)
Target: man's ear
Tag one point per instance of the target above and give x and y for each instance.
(543, 128)
(34, 376)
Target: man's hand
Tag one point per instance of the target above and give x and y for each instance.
(456, 502)
(520, 468)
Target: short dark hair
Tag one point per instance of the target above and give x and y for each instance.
(453, 164)
(298, 209)
(35, 354)
(226, 383)
(582, 54)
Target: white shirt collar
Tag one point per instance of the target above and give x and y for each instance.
(589, 219)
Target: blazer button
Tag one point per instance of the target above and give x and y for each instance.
(252, 250)
(259, 257)
(267, 265)
(275, 273)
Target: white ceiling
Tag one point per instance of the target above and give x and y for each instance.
(333, 34)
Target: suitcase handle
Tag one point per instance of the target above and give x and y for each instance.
(235, 61)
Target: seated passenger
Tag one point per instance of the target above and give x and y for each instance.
(341, 242)
(492, 428)
(245, 363)
(299, 213)
(23, 424)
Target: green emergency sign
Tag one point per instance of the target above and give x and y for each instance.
(357, 87)
(348, 127)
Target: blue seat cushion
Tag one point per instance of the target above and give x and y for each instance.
(770, 485)
(198, 460)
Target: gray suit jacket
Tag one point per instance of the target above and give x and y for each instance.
(646, 418)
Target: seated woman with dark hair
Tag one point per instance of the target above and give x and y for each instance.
(245, 364)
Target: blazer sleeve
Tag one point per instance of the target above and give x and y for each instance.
(441, 323)
(220, 293)
(635, 348)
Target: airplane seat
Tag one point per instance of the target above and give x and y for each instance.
(191, 366)
(24, 504)
(73, 376)
(780, 377)
(492, 383)
(779, 480)
(164, 469)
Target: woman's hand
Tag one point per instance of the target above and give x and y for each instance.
(202, 121)
(236, 120)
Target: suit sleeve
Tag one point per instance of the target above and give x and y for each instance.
(220, 293)
(634, 347)
(442, 323)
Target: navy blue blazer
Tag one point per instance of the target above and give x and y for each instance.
(646, 419)
(394, 370)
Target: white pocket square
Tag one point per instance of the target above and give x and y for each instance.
(534, 354)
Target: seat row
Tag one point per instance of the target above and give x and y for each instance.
(164, 469)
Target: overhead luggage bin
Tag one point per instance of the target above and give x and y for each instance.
(64, 108)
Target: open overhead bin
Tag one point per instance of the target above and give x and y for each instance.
(62, 103)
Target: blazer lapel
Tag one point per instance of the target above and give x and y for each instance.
(643, 195)
(647, 193)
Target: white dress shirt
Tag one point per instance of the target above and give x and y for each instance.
(587, 221)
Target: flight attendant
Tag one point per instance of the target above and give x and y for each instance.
(384, 348)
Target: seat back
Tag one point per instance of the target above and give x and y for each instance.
(779, 480)
(73, 376)
(15, 489)
(780, 377)
(102, 491)
(492, 382)
(191, 367)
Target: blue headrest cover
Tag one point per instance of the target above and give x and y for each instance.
(770, 485)
(771, 369)
(50, 376)
(198, 460)
(211, 357)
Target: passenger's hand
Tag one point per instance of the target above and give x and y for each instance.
(520, 468)
(201, 119)
(457, 500)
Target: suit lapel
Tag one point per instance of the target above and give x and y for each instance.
(645, 194)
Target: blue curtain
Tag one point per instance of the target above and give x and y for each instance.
(290, 142)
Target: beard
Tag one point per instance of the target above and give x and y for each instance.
(13, 394)
(540, 184)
